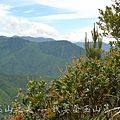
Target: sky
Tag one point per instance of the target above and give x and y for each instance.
(57, 19)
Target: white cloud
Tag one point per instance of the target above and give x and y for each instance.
(74, 5)
(78, 8)
(10, 25)
(79, 35)
(23, 27)
(4, 9)
(70, 16)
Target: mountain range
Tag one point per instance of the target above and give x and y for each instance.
(105, 46)
(29, 55)
(35, 39)
(21, 56)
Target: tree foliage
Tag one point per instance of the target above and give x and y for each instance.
(109, 20)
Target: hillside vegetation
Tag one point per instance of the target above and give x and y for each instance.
(9, 85)
(20, 56)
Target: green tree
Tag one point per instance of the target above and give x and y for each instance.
(109, 20)
(93, 49)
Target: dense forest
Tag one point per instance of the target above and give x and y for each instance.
(20, 56)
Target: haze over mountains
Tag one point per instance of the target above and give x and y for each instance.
(105, 46)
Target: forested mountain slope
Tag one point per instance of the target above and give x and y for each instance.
(18, 56)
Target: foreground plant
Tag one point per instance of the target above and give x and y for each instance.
(92, 86)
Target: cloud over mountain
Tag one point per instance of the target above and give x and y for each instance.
(66, 19)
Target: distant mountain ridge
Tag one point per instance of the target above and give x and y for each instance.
(105, 46)
(35, 39)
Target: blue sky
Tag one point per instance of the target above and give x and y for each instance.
(58, 19)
